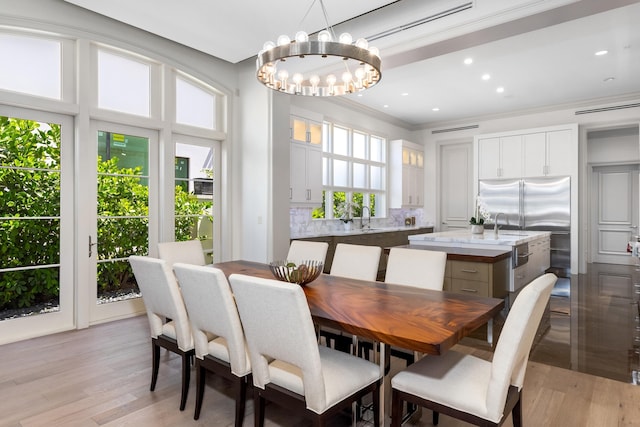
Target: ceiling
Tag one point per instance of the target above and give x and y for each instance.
(541, 52)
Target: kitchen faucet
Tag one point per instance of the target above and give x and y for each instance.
(495, 223)
(368, 217)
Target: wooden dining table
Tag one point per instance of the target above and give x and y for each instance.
(412, 318)
(417, 319)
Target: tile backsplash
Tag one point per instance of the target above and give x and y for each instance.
(301, 222)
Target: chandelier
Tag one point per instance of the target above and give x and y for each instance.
(307, 66)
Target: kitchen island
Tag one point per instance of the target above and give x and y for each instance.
(530, 252)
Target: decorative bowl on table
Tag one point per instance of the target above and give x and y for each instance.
(302, 272)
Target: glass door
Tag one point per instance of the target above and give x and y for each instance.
(125, 216)
(197, 189)
(36, 224)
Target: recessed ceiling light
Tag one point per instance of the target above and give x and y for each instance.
(486, 77)
(360, 95)
(435, 109)
(386, 105)
(608, 79)
(405, 93)
(468, 61)
(601, 52)
(500, 89)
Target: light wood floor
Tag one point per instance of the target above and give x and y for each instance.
(100, 377)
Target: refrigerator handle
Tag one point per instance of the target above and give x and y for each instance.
(521, 206)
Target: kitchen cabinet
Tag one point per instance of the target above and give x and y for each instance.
(407, 174)
(528, 153)
(305, 162)
(500, 157)
(546, 153)
(478, 278)
(306, 131)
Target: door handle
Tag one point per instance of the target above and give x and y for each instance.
(91, 245)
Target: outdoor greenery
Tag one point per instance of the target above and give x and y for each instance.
(339, 198)
(30, 189)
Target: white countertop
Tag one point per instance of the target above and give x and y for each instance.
(355, 230)
(464, 238)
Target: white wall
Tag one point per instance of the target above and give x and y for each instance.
(619, 145)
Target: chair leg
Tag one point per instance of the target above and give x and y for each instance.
(396, 409)
(436, 418)
(376, 406)
(201, 379)
(258, 409)
(516, 413)
(155, 363)
(241, 395)
(186, 377)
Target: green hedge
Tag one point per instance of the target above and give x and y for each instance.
(30, 188)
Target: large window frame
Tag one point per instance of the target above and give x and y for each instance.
(354, 169)
(79, 101)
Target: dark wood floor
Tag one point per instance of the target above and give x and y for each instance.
(100, 376)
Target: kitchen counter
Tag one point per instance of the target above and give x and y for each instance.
(506, 239)
(527, 262)
(377, 236)
(356, 230)
(484, 255)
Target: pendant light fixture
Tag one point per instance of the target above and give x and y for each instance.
(303, 65)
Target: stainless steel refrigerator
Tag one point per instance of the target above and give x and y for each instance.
(542, 204)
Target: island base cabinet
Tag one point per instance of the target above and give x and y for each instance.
(481, 279)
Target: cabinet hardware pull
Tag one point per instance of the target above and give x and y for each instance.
(469, 290)
(468, 271)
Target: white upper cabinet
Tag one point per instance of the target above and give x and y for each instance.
(305, 162)
(500, 157)
(407, 174)
(306, 131)
(529, 153)
(546, 153)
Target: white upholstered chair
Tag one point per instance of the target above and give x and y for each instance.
(188, 252)
(217, 332)
(162, 300)
(289, 367)
(304, 250)
(472, 389)
(356, 261)
(416, 267)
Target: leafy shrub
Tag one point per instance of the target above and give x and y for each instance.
(30, 188)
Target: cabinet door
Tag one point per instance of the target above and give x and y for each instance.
(407, 190)
(298, 129)
(298, 172)
(535, 154)
(419, 187)
(559, 150)
(314, 130)
(314, 175)
(489, 158)
(511, 156)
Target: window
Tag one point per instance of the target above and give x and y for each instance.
(123, 84)
(354, 170)
(34, 67)
(194, 105)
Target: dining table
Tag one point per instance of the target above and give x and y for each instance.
(417, 319)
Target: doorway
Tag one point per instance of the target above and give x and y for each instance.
(36, 224)
(614, 212)
(456, 178)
